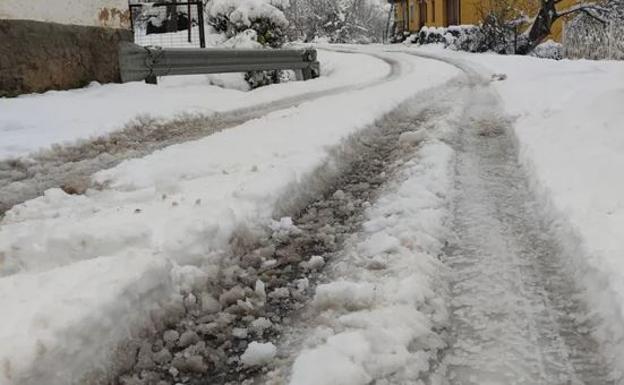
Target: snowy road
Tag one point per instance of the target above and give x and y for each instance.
(405, 247)
(70, 166)
(517, 312)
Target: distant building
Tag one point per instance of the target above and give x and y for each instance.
(411, 15)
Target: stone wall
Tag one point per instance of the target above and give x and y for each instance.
(38, 56)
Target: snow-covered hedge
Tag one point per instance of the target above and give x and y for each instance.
(462, 38)
(588, 38)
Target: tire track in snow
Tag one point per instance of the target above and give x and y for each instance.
(518, 316)
(69, 167)
(271, 275)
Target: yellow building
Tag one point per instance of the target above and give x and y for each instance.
(412, 15)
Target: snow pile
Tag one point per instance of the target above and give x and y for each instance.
(180, 205)
(57, 315)
(378, 319)
(549, 50)
(258, 354)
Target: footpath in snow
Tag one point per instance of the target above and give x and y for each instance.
(111, 257)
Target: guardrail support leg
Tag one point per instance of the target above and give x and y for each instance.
(306, 73)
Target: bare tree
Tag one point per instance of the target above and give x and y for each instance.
(590, 39)
(548, 13)
(339, 21)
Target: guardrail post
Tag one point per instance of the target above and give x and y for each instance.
(200, 22)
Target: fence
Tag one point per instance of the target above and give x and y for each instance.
(147, 63)
(169, 24)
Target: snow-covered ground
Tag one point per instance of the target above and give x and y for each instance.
(567, 120)
(33, 122)
(78, 273)
(568, 125)
(171, 214)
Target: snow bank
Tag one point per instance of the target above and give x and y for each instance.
(568, 126)
(258, 353)
(58, 315)
(378, 318)
(181, 204)
(32, 122)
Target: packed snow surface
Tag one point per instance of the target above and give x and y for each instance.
(567, 121)
(37, 121)
(568, 124)
(179, 205)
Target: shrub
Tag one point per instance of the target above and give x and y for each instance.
(251, 24)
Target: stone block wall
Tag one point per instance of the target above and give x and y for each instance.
(39, 56)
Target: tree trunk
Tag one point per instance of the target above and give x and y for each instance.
(540, 29)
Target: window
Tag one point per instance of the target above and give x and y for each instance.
(433, 2)
(412, 13)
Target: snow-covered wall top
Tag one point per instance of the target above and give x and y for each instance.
(100, 13)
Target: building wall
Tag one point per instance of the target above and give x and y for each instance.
(413, 12)
(95, 13)
(469, 14)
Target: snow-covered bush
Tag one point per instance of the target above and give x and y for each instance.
(251, 24)
(462, 38)
(499, 30)
(337, 21)
(265, 17)
(586, 37)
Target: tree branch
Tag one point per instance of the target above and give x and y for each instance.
(589, 9)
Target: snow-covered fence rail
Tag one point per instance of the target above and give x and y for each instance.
(147, 63)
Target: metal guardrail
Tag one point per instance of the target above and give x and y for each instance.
(147, 63)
